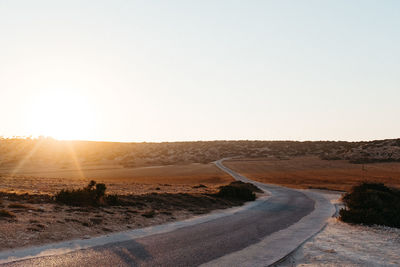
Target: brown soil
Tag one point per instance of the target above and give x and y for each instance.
(155, 195)
(38, 219)
(312, 172)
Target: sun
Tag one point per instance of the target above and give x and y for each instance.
(63, 115)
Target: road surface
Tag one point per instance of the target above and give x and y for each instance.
(197, 244)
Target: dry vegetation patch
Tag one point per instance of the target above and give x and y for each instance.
(170, 179)
(146, 196)
(37, 219)
(312, 172)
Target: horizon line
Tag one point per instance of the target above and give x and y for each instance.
(14, 137)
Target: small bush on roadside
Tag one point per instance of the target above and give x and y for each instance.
(237, 190)
(6, 214)
(372, 203)
(91, 195)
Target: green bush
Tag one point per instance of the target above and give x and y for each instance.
(237, 190)
(370, 204)
(91, 195)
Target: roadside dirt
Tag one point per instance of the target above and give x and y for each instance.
(156, 195)
(37, 219)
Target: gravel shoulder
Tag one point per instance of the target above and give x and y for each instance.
(342, 244)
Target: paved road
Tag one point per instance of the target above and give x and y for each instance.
(196, 244)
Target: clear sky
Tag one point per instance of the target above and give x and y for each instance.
(200, 70)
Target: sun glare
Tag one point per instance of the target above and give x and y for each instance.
(62, 115)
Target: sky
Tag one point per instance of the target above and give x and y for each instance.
(200, 70)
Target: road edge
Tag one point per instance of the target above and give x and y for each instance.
(284, 242)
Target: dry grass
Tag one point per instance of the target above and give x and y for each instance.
(157, 174)
(312, 172)
(169, 179)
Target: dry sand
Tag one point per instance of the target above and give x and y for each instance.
(341, 244)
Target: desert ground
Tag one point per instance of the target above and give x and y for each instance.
(313, 172)
(163, 182)
(119, 180)
(155, 195)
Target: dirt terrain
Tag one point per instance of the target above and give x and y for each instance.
(36, 219)
(312, 172)
(167, 179)
(32, 171)
(157, 195)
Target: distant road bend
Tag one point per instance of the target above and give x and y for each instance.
(258, 236)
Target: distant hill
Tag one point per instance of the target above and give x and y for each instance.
(369, 152)
(49, 151)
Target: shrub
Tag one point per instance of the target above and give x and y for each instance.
(91, 195)
(372, 203)
(237, 190)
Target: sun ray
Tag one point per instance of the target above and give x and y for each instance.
(72, 153)
(23, 161)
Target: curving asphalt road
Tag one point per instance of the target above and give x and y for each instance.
(197, 244)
